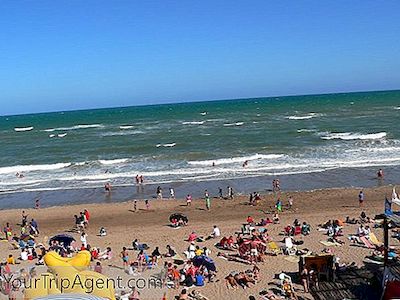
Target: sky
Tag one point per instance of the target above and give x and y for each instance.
(66, 55)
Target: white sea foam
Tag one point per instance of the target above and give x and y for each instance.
(232, 160)
(123, 132)
(166, 145)
(113, 161)
(203, 113)
(123, 127)
(49, 130)
(75, 127)
(354, 136)
(233, 124)
(305, 130)
(61, 135)
(193, 123)
(22, 129)
(28, 168)
(51, 135)
(398, 108)
(304, 117)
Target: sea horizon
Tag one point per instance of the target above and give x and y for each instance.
(202, 101)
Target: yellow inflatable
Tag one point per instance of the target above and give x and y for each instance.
(70, 275)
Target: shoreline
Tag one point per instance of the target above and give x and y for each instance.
(331, 179)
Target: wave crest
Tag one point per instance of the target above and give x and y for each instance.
(354, 136)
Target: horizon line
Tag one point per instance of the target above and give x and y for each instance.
(200, 101)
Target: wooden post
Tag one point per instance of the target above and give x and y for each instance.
(385, 240)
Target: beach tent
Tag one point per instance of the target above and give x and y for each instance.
(245, 246)
(62, 238)
(203, 260)
(178, 216)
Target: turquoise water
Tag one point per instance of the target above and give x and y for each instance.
(199, 141)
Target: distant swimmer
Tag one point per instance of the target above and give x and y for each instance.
(380, 173)
(246, 162)
(19, 175)
(213, 164)
(141, 179)
(107, 171)
(107, 187)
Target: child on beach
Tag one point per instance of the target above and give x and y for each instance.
(135, 205)
(171, 194)
(290, 202)
(146, 202)
(278, 205)
(125, 257)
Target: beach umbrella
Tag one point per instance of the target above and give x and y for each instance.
(178, 216)
(62, 238)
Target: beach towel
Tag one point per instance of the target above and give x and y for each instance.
(367, 243)
(329, 244)
(371, 261)
(374, 239)
(274, 247)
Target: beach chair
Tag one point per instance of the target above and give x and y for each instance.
(289, 248)
(367, 243)
(374, 240)
(272, 246)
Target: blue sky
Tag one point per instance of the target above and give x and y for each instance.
(62, 55)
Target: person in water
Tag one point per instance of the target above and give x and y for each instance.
(107, 187)
(380, 174)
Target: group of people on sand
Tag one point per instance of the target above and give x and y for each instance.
(82, 220)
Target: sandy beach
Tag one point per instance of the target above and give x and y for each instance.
(151, 227)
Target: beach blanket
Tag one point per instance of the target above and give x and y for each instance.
(329, 244)
(274, 247)
(374, 239)
(367, 243)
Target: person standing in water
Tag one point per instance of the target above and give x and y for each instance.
(207, 199)
(171, 194)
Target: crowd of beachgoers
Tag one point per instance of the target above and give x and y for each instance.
(232, 253)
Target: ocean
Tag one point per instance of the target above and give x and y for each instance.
(194, 144)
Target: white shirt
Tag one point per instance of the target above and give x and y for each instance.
(216, 232)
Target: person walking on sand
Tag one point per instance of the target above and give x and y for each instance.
(361, 199)
(207, 198)
(146, 202)
(188, 200)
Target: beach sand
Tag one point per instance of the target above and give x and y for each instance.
(151, 227)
